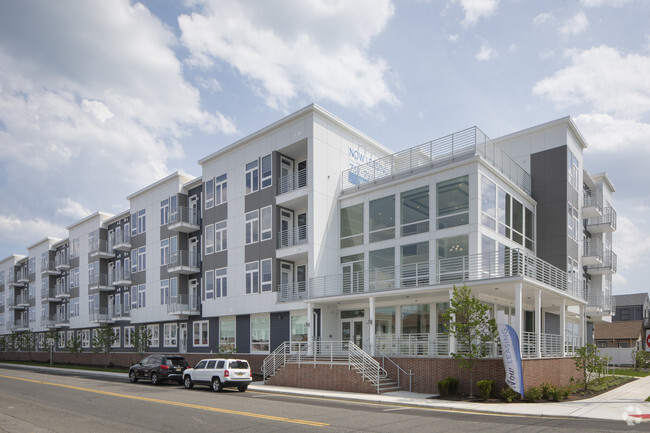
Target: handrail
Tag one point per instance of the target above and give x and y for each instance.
(410, 373)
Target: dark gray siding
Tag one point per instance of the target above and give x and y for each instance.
(551, 323)
(280, 328)
(243, 332)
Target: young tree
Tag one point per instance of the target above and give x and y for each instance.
(74, 346)
(141, 338)
(469, 322)
(103, 342)
(49, 340)
(588, 360)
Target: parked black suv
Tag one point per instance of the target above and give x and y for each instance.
(158, 368)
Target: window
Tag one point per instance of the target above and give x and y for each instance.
(164, 292)
(142, 226)
(517, 221)
(414, 209)
(252, 277)
(221, 189)
(573, 174)
(529, 228)
(134, 262)
(134, 220)
(267, 275)
(252, 176)
(221, 283)
(164, 212)
(173, 289)
(128, 336)
(624, 314)
(382, 269)
(170, 333)
(267, 221)
(74, 248)
(415, 264)
(62, 339)
(142, 296)
(299, 328)
(503, 213)
(488, 203)
(415, 319)
(226, 334)
(266, 171)
(260, 334)
(453, 202)
(154, 335)
(209, 285)
(382, 219)
(252, 227)
(451, 253)
(201, 333)
(127, 301)
(164, 252)
(352, 226)
(116, 337)
(74, 307)
(209, 193)
(209, 239)
(573, 224)
(85, 338)
(32, 265)
(221, 236)
(142, 258)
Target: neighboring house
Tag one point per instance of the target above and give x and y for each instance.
(628, 334)
(632, 307)
(310, 231)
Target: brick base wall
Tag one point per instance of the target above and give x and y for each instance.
(557, 371)
(321, 376)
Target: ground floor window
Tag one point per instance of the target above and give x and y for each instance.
(154, 335)
(170, 335)
(128, 336)
(385, 320)
(227, 335)
(260, 334)
(85, 338)
(415, 319)
(201, 333)
(116, 337)
(299, 328)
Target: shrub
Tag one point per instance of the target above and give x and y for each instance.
(453, 385)
(565, 391)
(555, 394)
(508, 394)
(443, 387)
(485, 388)
(448, 386)
(533, 394)
(546, 389)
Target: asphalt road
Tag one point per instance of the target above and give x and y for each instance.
(37, 402)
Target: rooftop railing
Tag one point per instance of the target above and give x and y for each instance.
(464, 143)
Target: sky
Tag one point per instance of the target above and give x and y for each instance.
(100, 99)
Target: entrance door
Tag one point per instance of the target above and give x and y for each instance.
(182, 338)
(286, 277)
(194, 295)
(194, 210)
(352, 330)
(286, 228)
(286, 175)
(194, 252)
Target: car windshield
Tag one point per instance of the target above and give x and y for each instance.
(239, 364)
(180, 362)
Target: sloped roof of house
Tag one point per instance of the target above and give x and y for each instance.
(631, 329)
(628, 300)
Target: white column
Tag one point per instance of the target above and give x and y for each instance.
(582, 325)
(519, 316)
(538, 323)
(563, 327)
(452, 318)
(310, 324)
(371, 325)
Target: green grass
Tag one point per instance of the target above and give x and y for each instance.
(647, 399)
(630, 372)
(68, 366)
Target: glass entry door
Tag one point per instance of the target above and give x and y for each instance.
(352, 330)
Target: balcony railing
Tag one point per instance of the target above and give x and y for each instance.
(48, 267)
(184, 219)
(100, 248)
(600, 301)
(292, 181)
(119, 312)
(413, 345)
(122, 241)
(183, 305)
(22, 276)
(183, 262)
(99, 281)
(61, 319)
(465, 143)
(592, 202)
(19, 324)
(22, 300)
(550, 345)
(99, 315)
(48, 321)
(293, 237)
(604, 223)
(49, 293)
(607, 265)
(120, 277)
(61, 262)
(511, 263)
(292, 292)
(62, 290)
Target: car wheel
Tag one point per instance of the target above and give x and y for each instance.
(154, 378)
(132, 377)
(242, 388)
(216, 385)
(187, 382)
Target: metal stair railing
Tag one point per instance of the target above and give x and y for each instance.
(366, 365)
(410, 373)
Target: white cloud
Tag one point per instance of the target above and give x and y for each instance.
(27, 231)
(101, 112)
(453, 38)
(485, 53)
(319, 49)
(546, 54)
(601, 3)
(575, 25)
(476, 9)
(543, 18)
(605, 133)
(601, 76)
(72, 209)
(631, 251)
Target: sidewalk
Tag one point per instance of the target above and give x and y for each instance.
(617, 404)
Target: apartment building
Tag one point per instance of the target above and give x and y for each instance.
(310, 231)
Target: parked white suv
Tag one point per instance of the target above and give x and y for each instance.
(219, 373)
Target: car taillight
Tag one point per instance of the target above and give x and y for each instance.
(164, 367)
(226, 373)
(250, 374)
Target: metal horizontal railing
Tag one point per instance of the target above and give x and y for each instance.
(99, 314)
(180, 304)
(122, 238)
(61, 289)
(60, 318)
(97, 280)
(600, 300)
(184, 214)
(413, 345)
(593, 197)
(292, 292)
(609, 261)
(608, 219)
(61, 260)
(48, 292)
(100, 246)
(471, 141)
(293, 237)
(183, 259)
(445, 271)
(122, 275)
(593, 248)
(292, 181)
(48, 266)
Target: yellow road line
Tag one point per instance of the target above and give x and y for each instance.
(174, 403)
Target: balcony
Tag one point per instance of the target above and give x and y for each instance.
(604, 223)
(100, 315)
(99, 282)
(592, 203)
(606, 267)
(459, 270)
(292, 181)
(22, 301)
(61, 290)
(122, 241)
(183, 305)
(592, 252)
(12, 281)
(61, 262)
(100, 248)
(61, 319)
(293, 237)
(19, 325)
(463, 144)
(183, 262)
(49, 294)
(49, 268)
(121, 277)
(599, 302)
(184, 220)
(49, 322)
(292, 292)
(119, 312)
(22, 276)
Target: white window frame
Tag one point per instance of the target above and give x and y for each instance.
(262, 345)
(164, 212)
(266, 180)
(266, 223)
(142, 221)
(209, 239)
(142, 296)
(154, 330)
(128, 336)
(170, 333)
(208, 288)
(221, 283)
(164, 252)
(266, 282)
(116, 335)
(142, 259)
(85, 338)
(164, 292)
(221, 189)
(252, 275)
(221, 236)
(252, 227)
(203, 325)
(208, 189)
(229, 346)
(252, 176)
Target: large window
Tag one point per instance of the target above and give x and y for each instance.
(221, 236)
(260, 334)
(382, 269)
(573, 173)
(299, 328)
(267, 275)
(221, 189)
(142, 221)
(128, 336)
(452, 253)
(267, 171)
(252, 176)
(164, 292)
(415, 264)
(573, 224)
(252, 277)
(488, 203)
(209, 285)
(382, 219)
(209, 239)
(164, 212)
(415, 319)
(200, 334)
(170, 335)
(267, 220)
(414, 210)
(385, 320)
(221, 283)
(142, 258)
(352, 267)
(226, 334)
(164, 252)
(209, 193)
(453, 202)
(252, 227)
(352, 225)
(142, 296)
(154, 335)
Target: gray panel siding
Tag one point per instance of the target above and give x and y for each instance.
(215, 261)
(280, 328)
(552, 323)
(243, 333)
